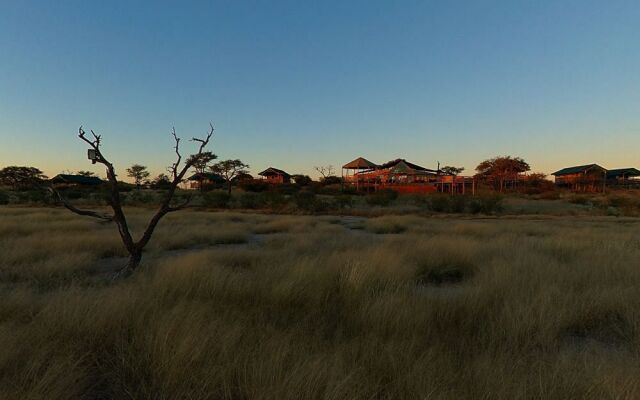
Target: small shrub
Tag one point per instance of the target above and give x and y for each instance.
(73, 194)
(419, 200)
(38, 196)
(382, 198)
(458, 204)
(486, 204)
(443, 273)
(305, 200)
(254, 185)
(581, 200)
(344, 201)
(333, 189)
(439, 202)
(550, 195)
(217, 199)
(273, 199)
(386, 225)
(4, 197)
(140, 197)
(286, 188)
(251, 200)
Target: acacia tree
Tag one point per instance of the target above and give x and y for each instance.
(138, 173)
(86, 173)
(229, 169)
(501, 168)
(20, 177)
(177, 171)
(449, 170)
(161, 181)
(202, 165)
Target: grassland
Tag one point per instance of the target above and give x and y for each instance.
(248, 306)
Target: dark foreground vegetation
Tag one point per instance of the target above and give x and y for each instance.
(255, 306)
(332, 199)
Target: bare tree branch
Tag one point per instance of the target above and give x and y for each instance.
(135, 248)
(181, 206)
(74, 209)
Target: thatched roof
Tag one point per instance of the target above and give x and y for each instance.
(77, 179)
(273, 171)
(577, 169)
(403, 166)
(359, 163)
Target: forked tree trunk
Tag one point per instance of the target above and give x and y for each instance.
(135, 248)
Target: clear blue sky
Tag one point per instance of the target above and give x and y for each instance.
(293, 84)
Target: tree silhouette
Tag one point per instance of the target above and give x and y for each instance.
(177, 170)
(325, 171)
(202, 164)
(229, 169)
(449, 170)
(20, 177)
(86, 173)
(138, 173)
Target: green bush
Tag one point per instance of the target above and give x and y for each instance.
(217, 199)
(273, 200)
(581, 200)
(73, 194)
(344, 201)
(140, 197)
(333, 189)
(382, 198)
(550, 195)
(458, 204)
(439, 202)
(250, 200)
(39, 196)
(286, 188)
(4, 197)
(489, 204)
(254, 185)
(305, 200)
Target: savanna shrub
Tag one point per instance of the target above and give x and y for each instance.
(333, 189)
(254, 185)
(139, 197)
(217, 199)
(550, 195)
(458, 204)
(73, 194)
(577, 199)
(439, 202)
(286, 188)
(382, 198)
(251, 200)
(486, 204)
(273, 199)
(305, 200)
(344, 201)
(40, 196)
(4, 197)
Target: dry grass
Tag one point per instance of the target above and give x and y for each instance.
(309, 309)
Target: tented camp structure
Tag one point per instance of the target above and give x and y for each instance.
(402, 176)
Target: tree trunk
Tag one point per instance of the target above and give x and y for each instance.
(229, 187)
(133, 263)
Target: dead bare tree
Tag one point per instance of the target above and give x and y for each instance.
(177, 170)
(325, 171)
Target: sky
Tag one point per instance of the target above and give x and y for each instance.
(298, 84)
